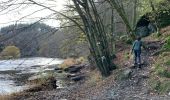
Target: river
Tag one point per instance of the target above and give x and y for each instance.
(13, 73)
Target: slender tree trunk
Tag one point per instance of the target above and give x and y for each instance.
(112, 40)
(134, 14)
(122, 14)
(155, 16)
(96, 35)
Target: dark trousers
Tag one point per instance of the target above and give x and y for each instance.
(137, 56)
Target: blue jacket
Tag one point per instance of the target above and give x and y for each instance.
(137, 45)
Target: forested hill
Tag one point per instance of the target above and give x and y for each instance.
(38, 39)
(32, 39)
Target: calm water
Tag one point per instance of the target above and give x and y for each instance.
(14, 71)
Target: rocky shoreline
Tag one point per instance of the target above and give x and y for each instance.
(82, 83)
(70, 79)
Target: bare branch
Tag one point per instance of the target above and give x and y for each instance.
(58, 13)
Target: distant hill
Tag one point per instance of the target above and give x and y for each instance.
(32, 39)
(36, 39)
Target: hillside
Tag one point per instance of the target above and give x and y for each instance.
(38, 39)
(125, 83)
(99, 45)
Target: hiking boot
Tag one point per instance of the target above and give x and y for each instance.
(139, 65)
(135, 64)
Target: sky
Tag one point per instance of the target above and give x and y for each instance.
(28, 13)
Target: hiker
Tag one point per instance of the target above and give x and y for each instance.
(136, 49)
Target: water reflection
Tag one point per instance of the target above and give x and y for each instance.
(14, 72)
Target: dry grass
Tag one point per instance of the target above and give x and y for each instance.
(165, 30)
(123, 58)
(95, 78)
(5, 97)
(68, 62)
(71, 61)
(160, 74)
(41, 79)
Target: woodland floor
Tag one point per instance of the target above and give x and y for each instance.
(135, 87)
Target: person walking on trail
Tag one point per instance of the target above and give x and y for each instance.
(136, 49)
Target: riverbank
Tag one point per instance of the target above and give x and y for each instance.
(82, 81)
(15, 73)
(124, 83)
(61, 79)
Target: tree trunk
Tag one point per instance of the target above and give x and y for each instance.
(96, 35)
(120, 10)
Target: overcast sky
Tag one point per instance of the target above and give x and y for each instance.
(9, 15)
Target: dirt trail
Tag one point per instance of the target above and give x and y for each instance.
(136, 87)
(133, 88)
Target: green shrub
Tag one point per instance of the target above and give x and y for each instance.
(163, 17)
(126, 55)
(163, 87)
(167, 62)
(126, 39)
(129, 41)
(166, 74)
(160, 70)
(159, 80)
(158, 34)
(123, 37)
(10, 52)
(166, 46)
(160, 85)
(154, 83)
(164, 54)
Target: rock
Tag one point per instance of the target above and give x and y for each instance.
(52, 66)
(153, 46)
(156, 53)
(142, 31)
(34, 89)
(37, 77)
(169, 93)
(145, 75)
(74, 69)
(71, 75)
(49, 84)
(126, 74)
(36, 66)
(57, 68)
(59, 71)
(77, 78)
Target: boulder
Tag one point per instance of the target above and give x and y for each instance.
(49, 84)
(36, 66)
(52, 66)
(77, 78)
(36, 77)
(127, 73)
(142, 31)
(153, 46)
(71, 75)
(34, 89)
(74, 68)
(57, 68)
(59, 71)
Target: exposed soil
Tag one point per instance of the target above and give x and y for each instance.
(135, 87)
